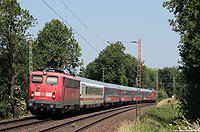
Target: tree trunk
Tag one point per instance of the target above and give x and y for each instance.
(14, 108)
(12, 95)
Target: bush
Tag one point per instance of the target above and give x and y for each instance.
(5, 110)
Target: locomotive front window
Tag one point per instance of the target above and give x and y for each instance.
(37, 79)
(52, 80)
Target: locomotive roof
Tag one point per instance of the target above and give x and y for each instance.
(55, 74)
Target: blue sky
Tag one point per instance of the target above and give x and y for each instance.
(126, 20)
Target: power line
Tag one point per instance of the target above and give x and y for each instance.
(71, 27)
(85, 57)
(83, 23)
(48, 53)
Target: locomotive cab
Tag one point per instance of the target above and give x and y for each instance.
(50, 91)
(44, 91)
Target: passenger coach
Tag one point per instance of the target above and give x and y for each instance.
(91, 93)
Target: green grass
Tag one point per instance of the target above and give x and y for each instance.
(163, 118)
(158, 119)
(146, 125)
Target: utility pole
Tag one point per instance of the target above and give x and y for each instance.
(157, 80)
(103, 74)
(139, 65)
(136, 82)
(138, 78)
(163, 91)
(30, 57)
(139, 75)
(174, 87)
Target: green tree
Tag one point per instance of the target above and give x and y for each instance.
(111, 59)
(56, 46)
(187, 24)
(130, 63)
(14, 23)
(119, 68)
(148, 77)
(166, 78)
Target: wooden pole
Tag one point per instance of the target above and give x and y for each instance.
(30, 57)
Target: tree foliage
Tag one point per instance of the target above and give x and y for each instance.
(166, 76)
(187, 24)
(111, 59)
(148, 77)
(14, 23)
(56, 46)
(119, 68)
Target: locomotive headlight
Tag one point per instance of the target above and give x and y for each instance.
(54, 95)
(32, 94)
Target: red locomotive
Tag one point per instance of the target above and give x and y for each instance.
(50, 91)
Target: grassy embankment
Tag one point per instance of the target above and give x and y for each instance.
(163, 118)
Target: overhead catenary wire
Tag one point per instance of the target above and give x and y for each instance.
(83, 23)
(48, 53)
(70, 26)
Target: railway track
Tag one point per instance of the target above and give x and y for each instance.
(19, 124)
(76, 123)
(16, 120)
(82, 123)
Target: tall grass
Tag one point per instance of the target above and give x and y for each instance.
(146, 125)
(165, 117)
(157, 119)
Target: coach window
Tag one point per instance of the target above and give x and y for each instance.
(150, 94)
(52, 80)
(72, 86)
(78, 84)
(87, 90)
(67, 82)
(37, 79)
(108, 92)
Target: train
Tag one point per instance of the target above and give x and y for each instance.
(52, 91)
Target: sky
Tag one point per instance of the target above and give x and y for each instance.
(113, 20)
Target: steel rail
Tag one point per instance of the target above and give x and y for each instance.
(17, 120)
(93, 115)
(106, 117)
(23, 125)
